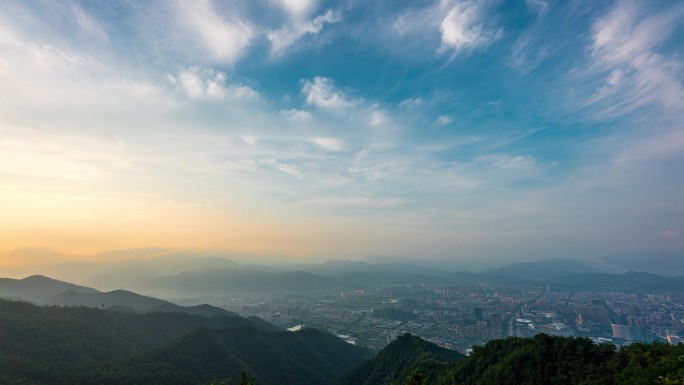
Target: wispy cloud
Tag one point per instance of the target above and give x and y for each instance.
(530, 48)
(467, 26)
(462, 25)
(625, 44)
(299, 24)
(322, 92)
(206, 83)
(231, 114)
(224, 37)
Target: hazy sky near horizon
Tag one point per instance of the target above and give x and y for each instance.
(492, 129)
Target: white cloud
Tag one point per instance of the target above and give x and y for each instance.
(298, 8)
(378, 118)
(200, 83)
(224, 38)
(462, 25)
(539, 6)
(660, 146)
(296, 115)
(530, 48)
(466, 27)
(331, 144)
(297, 27)
(444, 120)
(241, 165)
(508, 162)
(412, 102)
(322, 92)
(354, 202)
(88, 23)
(625, 44)
(285, 168)
(250, 139)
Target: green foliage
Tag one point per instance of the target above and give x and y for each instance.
(557, 360)
(60, 346)
(398, 361)
(243, 380)
(541, 360)
(415, 378)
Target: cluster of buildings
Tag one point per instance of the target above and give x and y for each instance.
(458, 317)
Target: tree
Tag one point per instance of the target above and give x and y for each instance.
(415, 379)
(243, 380)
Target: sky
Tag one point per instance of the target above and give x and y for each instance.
(460, 130)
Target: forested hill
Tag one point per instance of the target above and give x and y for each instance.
(78, 345)
(541, 360)
(560, 360)
(398, 360)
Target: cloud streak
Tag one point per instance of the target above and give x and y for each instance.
(294, 121)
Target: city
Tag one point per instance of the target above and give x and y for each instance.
(457, 317)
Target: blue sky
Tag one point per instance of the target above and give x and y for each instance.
(473, 130)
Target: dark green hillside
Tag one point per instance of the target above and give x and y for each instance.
(56, 345)
(305, 357)
(541, 360)
(398, 360)
(546, 360)
(37, 332)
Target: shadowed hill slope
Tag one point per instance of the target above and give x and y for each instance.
(79, 345)
(398, 360)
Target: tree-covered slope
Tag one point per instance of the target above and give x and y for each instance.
(546, 360)
(307, 357)
(541, 360)
(57, 345)
(398, 360)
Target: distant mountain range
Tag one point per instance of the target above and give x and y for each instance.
(240, 281)
(546, 269)
(37, 288)
(42, 290)
(212, 276)
(559, 274)
(631, 280)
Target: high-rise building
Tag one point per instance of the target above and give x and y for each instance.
(478, 314)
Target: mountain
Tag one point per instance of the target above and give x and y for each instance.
(545, 269)
(376, 278)
(37, 288)
(540, 360)
(451, 264)
(665, 263)
(339, 268)
(111, 270)
(116, 298)
(545, 359)
(34, 332)
(398, 360)
(239, 281)
(41, 290)
(307, 357)
(636, 281)
(55, 345)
